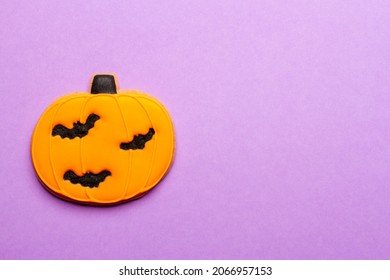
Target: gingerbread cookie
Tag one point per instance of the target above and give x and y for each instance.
(103, 147)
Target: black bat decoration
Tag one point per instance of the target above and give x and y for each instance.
(78, 130)
(89, 179)
(138, 141)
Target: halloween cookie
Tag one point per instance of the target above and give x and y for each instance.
(103, 147)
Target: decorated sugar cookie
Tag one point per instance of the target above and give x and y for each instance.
(103, 147)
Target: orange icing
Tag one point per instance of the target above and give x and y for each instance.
(122, 117)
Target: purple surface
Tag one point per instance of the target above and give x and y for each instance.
(282, 117)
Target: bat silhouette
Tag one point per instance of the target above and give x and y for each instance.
(138, 141)
(89, 179)
(78, 130)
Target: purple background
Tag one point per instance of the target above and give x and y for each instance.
(282, 118)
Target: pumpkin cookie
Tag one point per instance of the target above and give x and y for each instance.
(103, 147)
